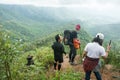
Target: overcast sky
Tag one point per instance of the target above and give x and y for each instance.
(104, 7)
(92, 4)
(64, 2)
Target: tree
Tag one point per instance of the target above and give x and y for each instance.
(7, 53)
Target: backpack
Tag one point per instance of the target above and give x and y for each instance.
(76, 43)
(73, 34)
(67, 37)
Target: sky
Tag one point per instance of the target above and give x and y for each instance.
(99, 5)
(103, 7)
(68, 3)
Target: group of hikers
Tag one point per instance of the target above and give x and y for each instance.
(92, 53)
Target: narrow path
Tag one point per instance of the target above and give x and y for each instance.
(107, 74)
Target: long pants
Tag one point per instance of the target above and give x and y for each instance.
(72, 53)
(97, 74)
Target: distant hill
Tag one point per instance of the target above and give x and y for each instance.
(111, 31)
(29, 22)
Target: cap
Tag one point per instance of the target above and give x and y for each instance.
(100, 35)
(78, 27)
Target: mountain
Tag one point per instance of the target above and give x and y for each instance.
(28, 20)
(29, 23)
(111, 31)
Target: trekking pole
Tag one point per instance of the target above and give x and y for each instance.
(105, 59)
(110, 43)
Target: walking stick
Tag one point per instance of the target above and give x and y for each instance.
(105, 59)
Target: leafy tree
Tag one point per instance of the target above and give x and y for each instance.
(7, 53)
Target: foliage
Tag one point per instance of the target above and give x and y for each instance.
(114, 55)
(7, 53)
(42, 57)
(68, 74)
(32, 33)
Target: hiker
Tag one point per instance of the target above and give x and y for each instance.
(58, 49)
(30, 60)
(72, 53)
(70, 37)
(92, 53)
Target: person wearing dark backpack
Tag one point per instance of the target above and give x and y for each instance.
(69, 37)
(58, 49)
(92, 53)
(72, 53)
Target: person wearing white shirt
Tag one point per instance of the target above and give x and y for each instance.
(92, 53)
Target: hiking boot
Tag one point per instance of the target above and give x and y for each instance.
(72, 63)
(69, 60)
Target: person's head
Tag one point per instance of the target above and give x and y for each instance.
(58, 38)
(99, 38)
(77, 27)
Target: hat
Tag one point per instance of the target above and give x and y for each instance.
(78, 27)
(100, 35)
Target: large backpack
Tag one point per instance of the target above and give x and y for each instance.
(67, 37)
(73, 34)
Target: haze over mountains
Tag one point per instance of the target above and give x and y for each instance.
(37, 21)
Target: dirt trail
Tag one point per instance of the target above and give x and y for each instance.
(107, 74)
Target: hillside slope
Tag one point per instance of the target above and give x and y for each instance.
(30, 23)
(111, 31)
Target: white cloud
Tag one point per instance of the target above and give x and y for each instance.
(89, 1)
(99, 7)
(33, 2)
(60, 2)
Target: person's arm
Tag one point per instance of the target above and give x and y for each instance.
(85, 51)
(63, 50)
(52, 46)
(84, 54)
(107, 52)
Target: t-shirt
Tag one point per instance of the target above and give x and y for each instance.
(94, 50)
(58, 49)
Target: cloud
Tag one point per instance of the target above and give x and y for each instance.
(101, 7)
(97, 5)
(33, 2)
(61, 2)
(90, 1)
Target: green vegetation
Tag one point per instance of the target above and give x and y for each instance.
(69, 74)
(43, 58)
(32, 33)
(8, 51)
(114, 55)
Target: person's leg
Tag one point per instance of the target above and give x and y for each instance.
(98, 76)
(70, 54)
(87, 75)
(59, 66)
(73, 54)
(96, 71)
(55, 64)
